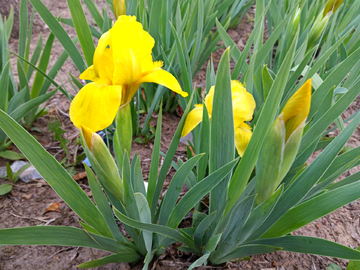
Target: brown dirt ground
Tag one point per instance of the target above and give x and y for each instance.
(26, 203)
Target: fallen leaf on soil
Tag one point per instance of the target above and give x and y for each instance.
(79, 176)
(52, 207)
(26, 196)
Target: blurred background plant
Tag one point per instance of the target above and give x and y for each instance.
(22, 100)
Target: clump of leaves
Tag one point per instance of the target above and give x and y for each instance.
(13, 177)
(148, 135)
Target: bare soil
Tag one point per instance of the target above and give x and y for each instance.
(25, 205)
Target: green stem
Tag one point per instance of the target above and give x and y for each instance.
(123, 134)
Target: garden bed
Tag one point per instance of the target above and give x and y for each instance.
(26, 204)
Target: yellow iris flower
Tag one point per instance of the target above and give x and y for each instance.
(122, 62)
(243, 107)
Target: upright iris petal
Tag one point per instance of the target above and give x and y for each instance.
(243, 105)
(297, 109)
(122, 62)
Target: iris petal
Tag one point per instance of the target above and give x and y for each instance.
(166, 79)
(209, 100)
(103, 59)
(89, 74)
(298, 101)
(243, 103)
(95, 106)
(193, 119)
(297, 108)
(243, 135)
(132, 48)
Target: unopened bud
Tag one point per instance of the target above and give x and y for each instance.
(119, 8)
(295, 22)
(331, 5)
(317, 29)
(268, 166)
(103, 162)
(281, 144)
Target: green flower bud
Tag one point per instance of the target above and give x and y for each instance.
(102, 162)
(268, 166)
(290, 150)
(295, 23)
(282, 143)
(316, 30)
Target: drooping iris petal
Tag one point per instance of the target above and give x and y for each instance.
(194, 118)
(166, 79)
(95, 106)
(243, 135)
(297, 108)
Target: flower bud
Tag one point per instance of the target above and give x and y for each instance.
(119, 8)
(295, 23)
(331, 5)
(103, 162)
(316, 30)
(291, 30)
(281, 144)
(268, 166)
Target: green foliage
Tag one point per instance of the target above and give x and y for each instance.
(12, 155)
(13, 177)
(5, 188)
(353, 265)
(21, 100)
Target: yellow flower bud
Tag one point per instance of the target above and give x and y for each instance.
(102, 162)
(282, 143)
(332, 5)
(119, 8)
